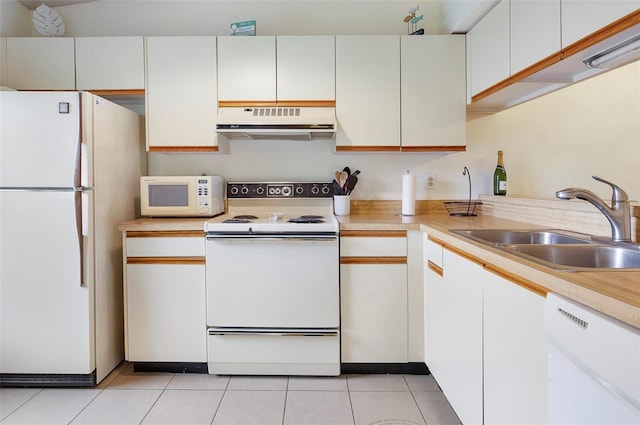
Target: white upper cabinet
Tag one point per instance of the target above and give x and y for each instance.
(368, 91)
(489, 61)
(41, 63)
(581, 18)
(433, 90)
(3, 61)
(535, 31)
(181, 93)
(306, 68)
(247, 69)
(109, 63)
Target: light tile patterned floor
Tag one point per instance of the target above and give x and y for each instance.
(125, 397)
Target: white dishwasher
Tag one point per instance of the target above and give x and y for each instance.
(594, 365)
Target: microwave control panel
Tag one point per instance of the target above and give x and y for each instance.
(204, 197)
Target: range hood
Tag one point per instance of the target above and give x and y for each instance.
(276, 123)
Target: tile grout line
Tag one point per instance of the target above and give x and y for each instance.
(173, 375)
(286, 397)
(25, 402)
(85, 406)
(414, 399)
(353, 413)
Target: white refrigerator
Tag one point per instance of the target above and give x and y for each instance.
(70, 165)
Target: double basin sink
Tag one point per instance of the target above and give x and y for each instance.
(559, 249)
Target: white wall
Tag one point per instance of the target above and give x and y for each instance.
(15, 19)
(213, 17)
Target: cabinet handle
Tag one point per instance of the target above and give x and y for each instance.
(435, 268)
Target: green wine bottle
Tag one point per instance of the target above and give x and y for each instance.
(500, 177)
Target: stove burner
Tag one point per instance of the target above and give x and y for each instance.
(245, 217)
(237, 220)
(307, 219)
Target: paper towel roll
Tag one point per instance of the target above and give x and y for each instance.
(408, 194)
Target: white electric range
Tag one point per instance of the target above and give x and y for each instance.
(273, 281)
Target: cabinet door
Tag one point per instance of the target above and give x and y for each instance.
(489, 49)
(458, 357)
(435, 308)
(166, 319)
(374, 313)
(109, 63)
(181, 92)
(368, 91)
(306, 68)
(581, 18)
(41, 63)
(3, 62)
(535, 31)
(515, 354)
(433, 82)
(247, 69)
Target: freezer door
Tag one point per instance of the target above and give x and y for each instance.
(39, 139)
(45, 313)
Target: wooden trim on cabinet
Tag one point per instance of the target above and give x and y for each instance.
(520, 281)
(373, 233)
(167, 260)
(436, 240)
(165, 233)
(602, 34)
(183, 149)
(433, 148)
(307, 103)
(246, 103)
(464, 254)
(279, 103)
(117, 92)
(367, 148)
(435, 268)
(373, 260)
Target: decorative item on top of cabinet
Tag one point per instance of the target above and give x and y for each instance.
(165, 312)
(180, 95)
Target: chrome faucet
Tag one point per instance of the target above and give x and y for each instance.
(619, 214)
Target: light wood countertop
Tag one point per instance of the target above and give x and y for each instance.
(164, 224)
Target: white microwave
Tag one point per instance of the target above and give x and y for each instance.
(181, 196)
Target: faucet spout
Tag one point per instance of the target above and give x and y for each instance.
(618, 214)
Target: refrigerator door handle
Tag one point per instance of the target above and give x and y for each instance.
(77, 196)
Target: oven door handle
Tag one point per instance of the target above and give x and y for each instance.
(267, 332)
(273, 238)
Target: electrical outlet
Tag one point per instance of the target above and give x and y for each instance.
(431, 182)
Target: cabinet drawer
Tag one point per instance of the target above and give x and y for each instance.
(170, 246)
(378, 245)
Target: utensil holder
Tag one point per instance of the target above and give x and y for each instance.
(342, 204)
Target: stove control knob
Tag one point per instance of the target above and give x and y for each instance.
(299, 190)
(286, 191)
(260, 190)
(315, 189)
(244, 190)
(234, 190)
(325, 189)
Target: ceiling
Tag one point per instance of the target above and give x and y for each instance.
(32, 4)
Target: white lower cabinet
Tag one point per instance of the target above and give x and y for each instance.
(456, 361)
(515, 353)
(165, 301)
(166, 313)
(374, 297)
(484, 339)
(374, 313)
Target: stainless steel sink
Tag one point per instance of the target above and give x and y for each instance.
(533, 237)
(581, 256)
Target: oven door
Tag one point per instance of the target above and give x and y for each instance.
(275, 281)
